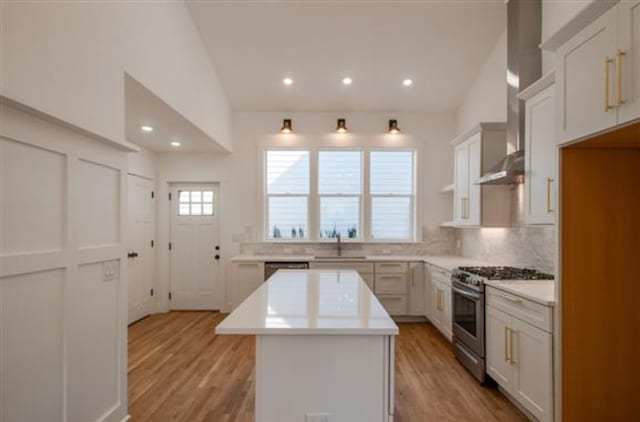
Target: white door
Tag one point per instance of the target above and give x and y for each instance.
(586, 83)
(629, 41)
(532, 376)
(140, 235)
(461, 187)
(540, 155)
(498, 351)
(195, 246)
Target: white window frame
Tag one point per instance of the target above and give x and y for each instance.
(411, 196)
(266, 232)
(313, 198)
(361, 232)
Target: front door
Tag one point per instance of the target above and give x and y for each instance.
(195, 250)
(140, 230)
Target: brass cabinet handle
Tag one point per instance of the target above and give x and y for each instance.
(511, 332)
(507, 349)
(607, 107)
(619, 100)
(549, 209)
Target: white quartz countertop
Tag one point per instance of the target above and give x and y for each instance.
(310, 302)
(446, 262)
(540, 291)
(451, 262)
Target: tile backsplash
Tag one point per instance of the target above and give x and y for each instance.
(435, 242)
(531, 247)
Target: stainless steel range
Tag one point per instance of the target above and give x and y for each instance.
(468, 310)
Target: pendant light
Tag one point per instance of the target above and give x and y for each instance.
(342, 126)
(393, 126)
(286, 126)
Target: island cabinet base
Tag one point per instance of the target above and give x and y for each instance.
(346, 377)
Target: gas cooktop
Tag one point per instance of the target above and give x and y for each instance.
(506, 273)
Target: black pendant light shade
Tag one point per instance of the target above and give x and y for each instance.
(342, 126)
(286, 126)
(393, 126)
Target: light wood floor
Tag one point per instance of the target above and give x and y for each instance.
(179, 370)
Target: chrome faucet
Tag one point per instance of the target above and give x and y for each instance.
(339, 244)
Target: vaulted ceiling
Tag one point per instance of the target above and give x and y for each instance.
(439, 44)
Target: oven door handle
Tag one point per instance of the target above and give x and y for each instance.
(466, 294)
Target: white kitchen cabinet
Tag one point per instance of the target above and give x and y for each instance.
(427, 295)
(598, 74)
(498, 363)
(441, 301)
(247, 277)
(476, 151)
(416, 288)
(540, 152)
(629, 44)
(519, 354)
(532, 369)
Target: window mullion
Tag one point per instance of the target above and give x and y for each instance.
(365, 212)
(313, 205)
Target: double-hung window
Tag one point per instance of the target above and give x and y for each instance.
(287, 193)
(320, 193)
(340, 193)
(391, 190)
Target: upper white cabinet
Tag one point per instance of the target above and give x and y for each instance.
(540, 152)
(629, 62)
(475, 153)
(598, 74)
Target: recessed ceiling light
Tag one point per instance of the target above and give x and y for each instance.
(146, 128)
(347, 81)
(175, 144)
(287, 81)
(407, 82)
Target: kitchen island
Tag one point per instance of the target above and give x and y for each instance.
(324, 348)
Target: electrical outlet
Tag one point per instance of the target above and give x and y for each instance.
(319, 417)
(110, 270)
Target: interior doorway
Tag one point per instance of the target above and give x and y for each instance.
(195, 246)
(140, 246)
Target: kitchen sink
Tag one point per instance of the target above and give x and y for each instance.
(337, 258)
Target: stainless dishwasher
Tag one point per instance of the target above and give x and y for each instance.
(271, 267)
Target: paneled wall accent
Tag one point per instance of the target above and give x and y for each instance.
(62, 297)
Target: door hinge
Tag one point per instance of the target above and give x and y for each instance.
(152, 244)
(151, 292)
(169, 295)
(169, 196)
(169, 245)
(153, 194)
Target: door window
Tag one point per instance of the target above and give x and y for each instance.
(195, 202)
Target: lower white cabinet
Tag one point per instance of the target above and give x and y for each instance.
(394, 304)
(440, 301)
(247, 277)
(416, 288)
(519, 359)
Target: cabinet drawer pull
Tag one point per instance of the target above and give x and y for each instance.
(607, 107)
(511, 333)
(619, 54)
(510, 299)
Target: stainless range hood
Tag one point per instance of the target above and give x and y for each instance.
(509, 171)
(523, 68)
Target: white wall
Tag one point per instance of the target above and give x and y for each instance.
(486, 100)
(68, 59)
(62, 311)
(238, 172)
